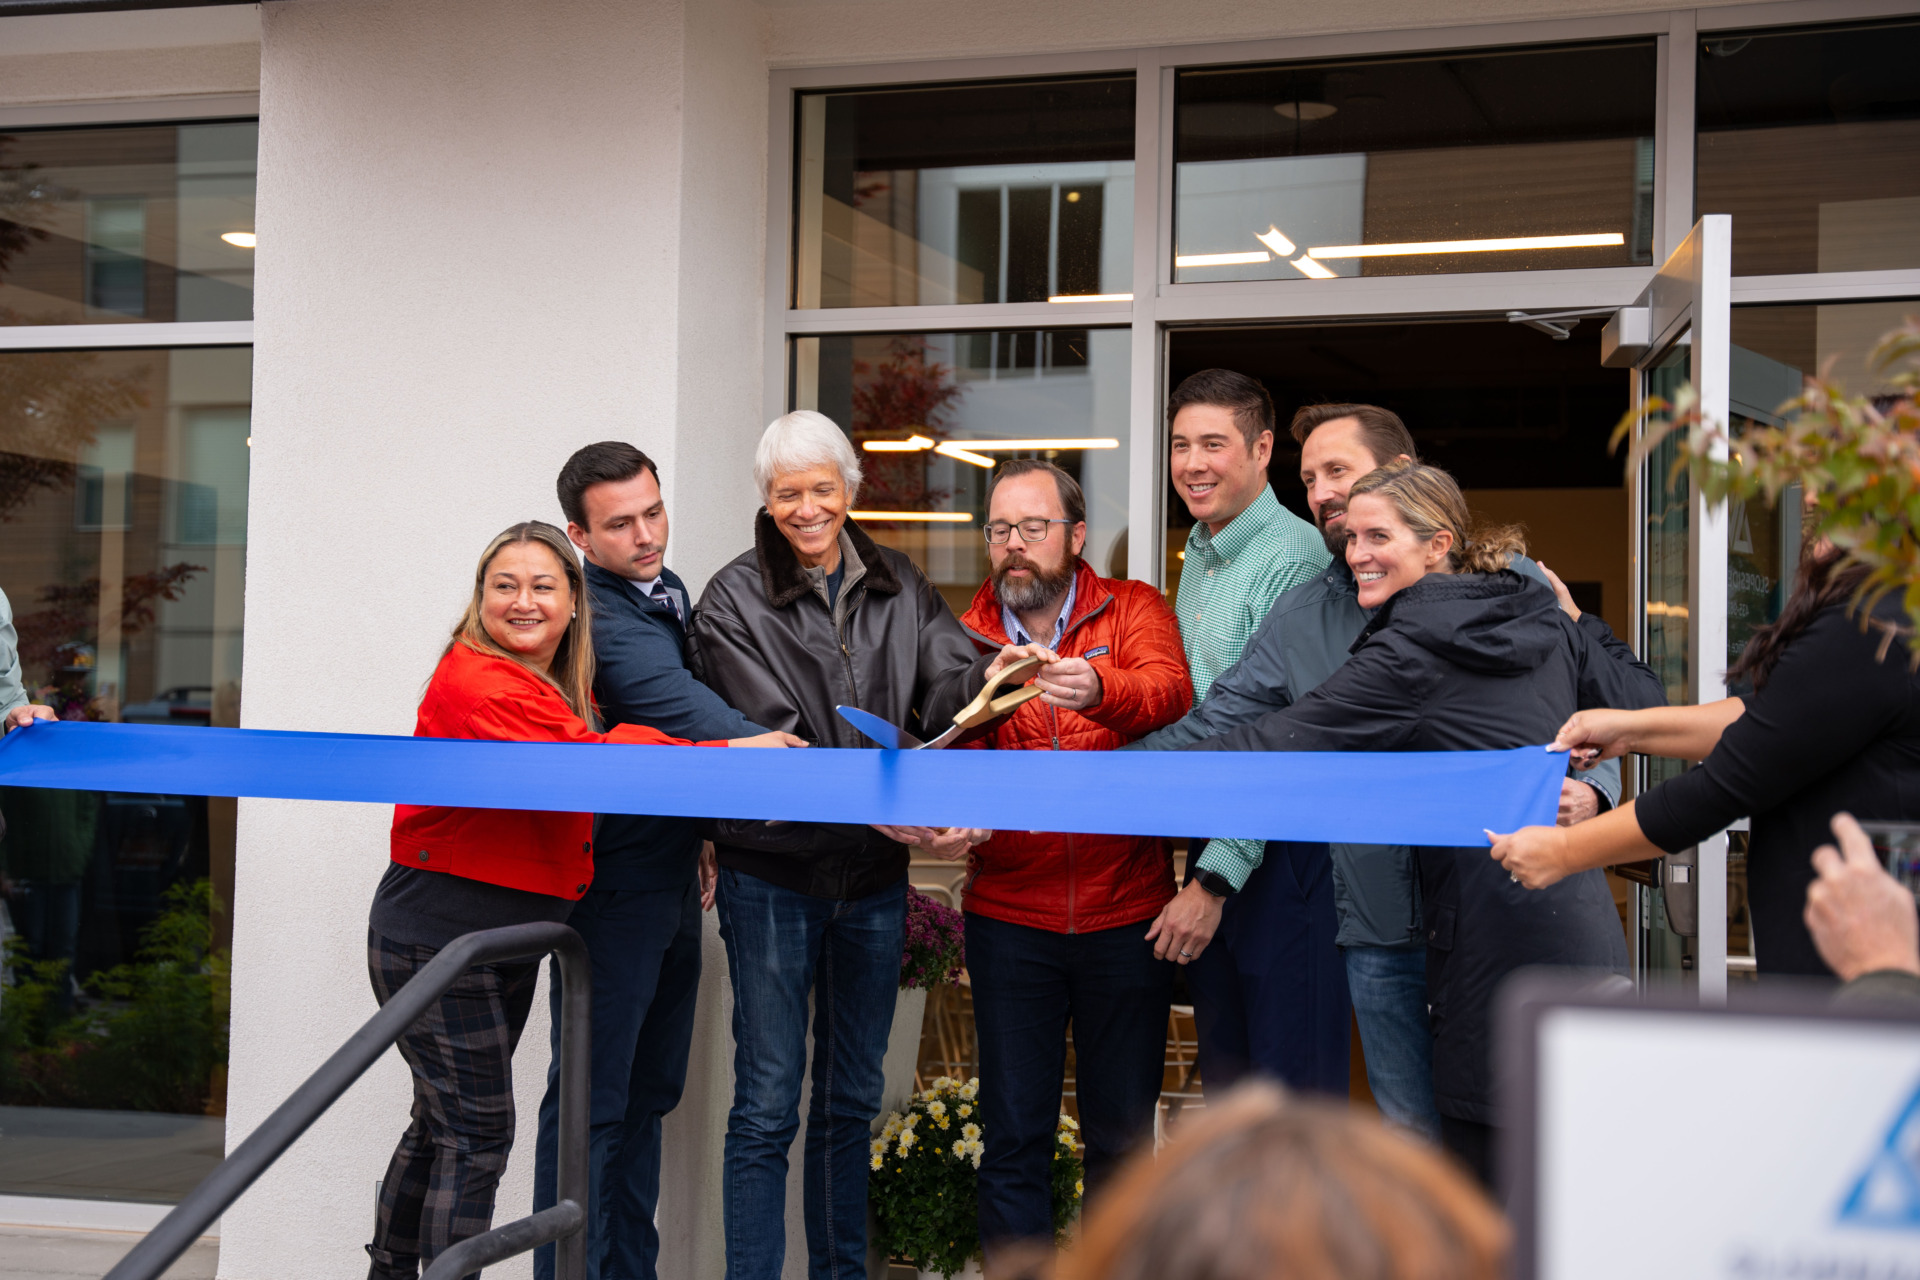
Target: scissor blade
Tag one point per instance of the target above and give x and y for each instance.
(888, 735)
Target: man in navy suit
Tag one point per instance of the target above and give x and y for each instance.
(641, 918)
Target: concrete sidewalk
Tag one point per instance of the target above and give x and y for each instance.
(62, 1253)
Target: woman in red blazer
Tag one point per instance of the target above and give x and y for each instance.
(519, 668)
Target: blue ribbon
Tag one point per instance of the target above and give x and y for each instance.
(1415, 798)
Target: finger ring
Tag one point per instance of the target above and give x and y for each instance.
(1187, 954)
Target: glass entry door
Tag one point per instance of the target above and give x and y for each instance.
(1680, 547)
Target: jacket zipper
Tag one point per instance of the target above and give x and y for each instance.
(1053, 727)
(853, 694)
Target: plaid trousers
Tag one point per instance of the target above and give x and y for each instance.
(439, 1187)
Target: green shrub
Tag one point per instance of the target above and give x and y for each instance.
(150, 1035)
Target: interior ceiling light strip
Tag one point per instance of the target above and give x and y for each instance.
(951, 449)
(1091, 297)
(1222, 259)
(936, 517)
(1308, 267)
(1597, 240)
(918, 442)
(1276, 241)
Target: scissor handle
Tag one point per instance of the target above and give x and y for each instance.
(991, 703)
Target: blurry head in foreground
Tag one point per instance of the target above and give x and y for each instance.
(1266, 1186)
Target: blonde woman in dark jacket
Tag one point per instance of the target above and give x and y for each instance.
(1461, 654)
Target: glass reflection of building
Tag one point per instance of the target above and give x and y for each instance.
(123, 496)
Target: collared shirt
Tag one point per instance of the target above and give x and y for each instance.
(1229, 581)
(644, 589)
(1017, 632)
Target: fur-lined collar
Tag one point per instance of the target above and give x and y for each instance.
(784, 581)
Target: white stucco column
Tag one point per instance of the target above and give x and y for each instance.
(490, 232)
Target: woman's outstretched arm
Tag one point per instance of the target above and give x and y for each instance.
(1677, 733)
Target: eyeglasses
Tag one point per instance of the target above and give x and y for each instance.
(1035, 530)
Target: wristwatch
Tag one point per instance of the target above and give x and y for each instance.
(1213, 882)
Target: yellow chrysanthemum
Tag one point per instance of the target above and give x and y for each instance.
(936, 1108)
(965, 1109)
(959, 1150)
(877, 1161)
(970, 1131)
(971, 1089)
(1080, 1187)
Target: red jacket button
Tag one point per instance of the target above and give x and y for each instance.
(586, 846)
(580, 888)
(423, 855)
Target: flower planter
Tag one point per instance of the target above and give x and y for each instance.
(969, 1272)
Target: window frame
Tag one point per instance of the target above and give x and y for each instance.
(1158, 305)
(130, 333)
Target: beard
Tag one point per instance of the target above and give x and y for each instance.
(1043, 588)
(1336, 539)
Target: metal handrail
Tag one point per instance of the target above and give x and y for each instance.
(563, 1222)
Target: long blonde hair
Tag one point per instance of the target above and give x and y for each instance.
(1428, 501)
(572, 671)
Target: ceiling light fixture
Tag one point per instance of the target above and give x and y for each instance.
(1221, 259)
(1091, 297)
(909, 445)
(1274, 240)
(1084, 442)
(1304, 110)
(949, 449)
(239, 239)
(924, 517)
(1308, 267)
(1598, 240)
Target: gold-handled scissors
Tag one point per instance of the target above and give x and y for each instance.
(989, 705)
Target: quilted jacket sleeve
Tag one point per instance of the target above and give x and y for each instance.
(1147, 687)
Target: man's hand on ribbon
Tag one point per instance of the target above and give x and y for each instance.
(774, 739)
(1578, 802)
(949, 844)
(1186, 925)
(21, 717)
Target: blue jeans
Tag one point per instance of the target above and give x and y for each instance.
(1028, 984)
(781, 946)
(1389, 988)
(644, 946)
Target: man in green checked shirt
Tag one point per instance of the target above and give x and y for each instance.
(1244, 551)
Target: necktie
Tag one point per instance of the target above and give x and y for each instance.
(660, 595)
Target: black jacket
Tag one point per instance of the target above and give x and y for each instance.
(641, 677)
(1836, 727)
(765, 639)
(1471, 662)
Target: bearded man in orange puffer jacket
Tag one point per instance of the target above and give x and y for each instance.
(1057, 922)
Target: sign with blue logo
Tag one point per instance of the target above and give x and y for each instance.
(1693, 1144)
(1887, 1193)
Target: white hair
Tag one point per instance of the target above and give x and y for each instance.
(801, 441)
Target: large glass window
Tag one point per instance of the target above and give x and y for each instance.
(1775, 350)
(127, 223)
(933, 412)
(964, 193)
(1809, 139)
(1489, 160)
(123, 493)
